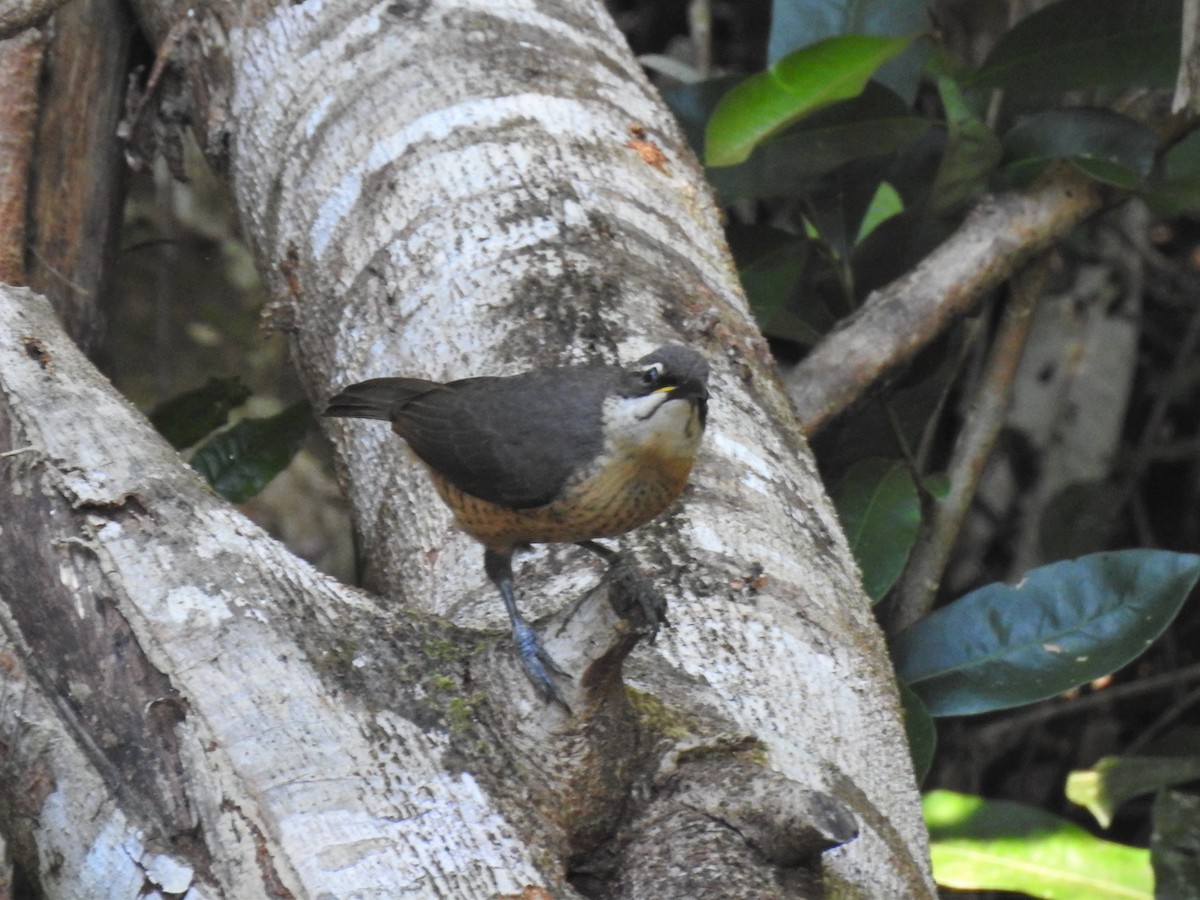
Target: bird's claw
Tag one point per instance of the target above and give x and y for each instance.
(536, 661)
(634, 597)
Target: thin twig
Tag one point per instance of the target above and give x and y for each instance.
(1044, 712)
(919, 584)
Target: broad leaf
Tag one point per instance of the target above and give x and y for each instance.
(786, 164)
(771, 282)
(239, 463)
(798, 85)
(189, 416)
(1103, 144)
(880, 511)
(1086, 44)
(798, 23)
(1178, 190)
(994, 845)
(1065, 624)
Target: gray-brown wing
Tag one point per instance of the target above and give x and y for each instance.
(511, 441)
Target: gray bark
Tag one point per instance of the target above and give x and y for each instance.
(444, 190)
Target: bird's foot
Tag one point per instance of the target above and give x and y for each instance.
(631, 593)
(538, 664)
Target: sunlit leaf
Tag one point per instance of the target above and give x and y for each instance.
(798, 85)
(886, 203)
(1116, 779)
(994, 845)
(798, 23)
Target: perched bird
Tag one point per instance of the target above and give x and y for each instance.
(554, 455)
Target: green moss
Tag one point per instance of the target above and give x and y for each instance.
(655, 715)
(442, 649)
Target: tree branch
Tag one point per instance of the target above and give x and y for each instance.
(997, 238)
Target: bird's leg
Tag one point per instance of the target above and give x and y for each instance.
(534, 658)
(633, 596)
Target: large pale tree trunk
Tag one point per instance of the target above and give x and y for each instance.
(439, 189)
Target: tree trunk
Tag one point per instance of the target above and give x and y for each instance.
(440, 190)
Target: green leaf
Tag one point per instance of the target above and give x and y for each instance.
(784, 165)
(798, 23)
(771, 283)
(876, 123)
(1103, 144)
(187, 417)
(1065, 624)
(798, 85)
(1175, 844)
(1086, 44)
(239, 463)
(920, 730)
(1178, 190)
(880, 511)
(693, 105)
(886, 203)
(971, 155)
(997, 845)
(1115, 779)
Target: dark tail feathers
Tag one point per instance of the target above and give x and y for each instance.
(379, 398)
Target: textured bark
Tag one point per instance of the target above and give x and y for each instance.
(442, 189)
(17, 15)
(76, 194)
(20, 67)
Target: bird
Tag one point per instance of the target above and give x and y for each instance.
(562, 454)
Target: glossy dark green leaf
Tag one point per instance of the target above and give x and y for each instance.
(784, 165)
(1087, 43)
(1177, 191)
(1103, 144)
(239, 463)
(971, 155)
(880, 511)
(920, 731)
(995, 845)
(798, 23)
(1115, 779)
(189, 416)
(771, 282)
(798, 85)
(1065, 624)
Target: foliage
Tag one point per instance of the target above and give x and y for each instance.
(996, 845)
(1064, 625)
(238, 461)
(857, 149)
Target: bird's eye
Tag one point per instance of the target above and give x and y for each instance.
(651, 374)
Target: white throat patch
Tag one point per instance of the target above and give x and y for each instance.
(654, 424)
